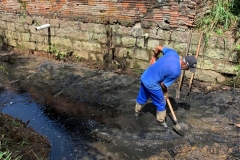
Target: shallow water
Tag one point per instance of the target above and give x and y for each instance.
(65, 141)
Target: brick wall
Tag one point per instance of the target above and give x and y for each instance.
(180, 13)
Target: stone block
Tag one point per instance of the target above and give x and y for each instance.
(12, 35)
(39, 20)
(61, 42)
(195, 38)
(141, 43)
(128, 41)
(11, 26)
(20, 27)
(73, 34)
(3, 25)
(42, 47)
(81, 54)
(225, 67)
(233, 56)
(142, 64)
(142, 54)
(101, 38)
(180, 48)
(179, 36)
(89, 46)
(69, 25)
(29, 20)
(120, 30)
(25, 37)
(77, 45)
(163, 34)
(2, 32)
(99, 57)
(208, 76)
(118, 41)
(83, 35)
(124, 52)
(92, 56)
(205, 63)
(39, 38)
(98, 28)
(8, 17)
(152, 43)
(215, 53)
(27, 45)
(11, 42)
(55, 23)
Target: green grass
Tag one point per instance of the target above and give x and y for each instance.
(222, 16)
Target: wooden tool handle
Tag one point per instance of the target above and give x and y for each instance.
(197, 53)
(171, 109)
(183, 72)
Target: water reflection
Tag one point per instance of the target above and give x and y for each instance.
(65, 144)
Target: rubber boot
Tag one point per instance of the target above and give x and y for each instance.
(138, 109)
(161, 118)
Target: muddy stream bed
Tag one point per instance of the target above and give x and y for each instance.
(89, 113)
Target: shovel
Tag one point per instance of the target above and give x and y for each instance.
(176, 127)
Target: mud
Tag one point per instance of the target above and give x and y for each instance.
(20, 141)
(209, 119)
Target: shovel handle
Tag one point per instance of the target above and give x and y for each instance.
(171, 109)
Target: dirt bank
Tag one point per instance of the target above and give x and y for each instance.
(210, 123)
(20, 141)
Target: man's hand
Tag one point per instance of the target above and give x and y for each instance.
(166, 95)
(156, 52)
(153, 60)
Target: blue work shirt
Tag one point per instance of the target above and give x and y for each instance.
(166, 69)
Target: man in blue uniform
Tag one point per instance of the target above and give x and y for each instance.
(159, 76)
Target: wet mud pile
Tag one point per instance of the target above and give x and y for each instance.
(210, 120)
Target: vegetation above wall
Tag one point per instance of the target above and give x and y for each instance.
(223, 16)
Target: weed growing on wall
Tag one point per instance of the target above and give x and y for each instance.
(23, 8)
(59, 55)
(223, 14)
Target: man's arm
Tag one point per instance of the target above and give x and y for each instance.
(165, 90)
(156, 52)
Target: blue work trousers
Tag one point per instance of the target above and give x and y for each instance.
(156, 96)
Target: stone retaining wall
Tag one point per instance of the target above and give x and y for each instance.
(121, 32)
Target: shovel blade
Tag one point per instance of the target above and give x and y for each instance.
(178, 129)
